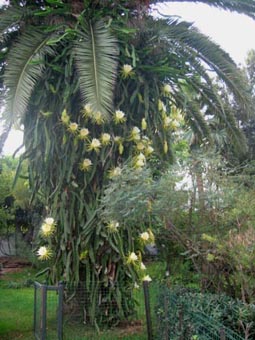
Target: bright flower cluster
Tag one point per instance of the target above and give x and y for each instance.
(86, 164)
(147, 237)
(127, 71)
(48, 227)
(113, 226)
(44, 253)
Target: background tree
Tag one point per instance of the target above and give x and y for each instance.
(98, 84)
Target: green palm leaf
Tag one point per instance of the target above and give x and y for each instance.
(10, 19)
(96, 53)
(209, 53)
(25, 64)
(241, 6)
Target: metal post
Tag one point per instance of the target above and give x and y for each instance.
(147, 309)
(60, 310)
(43, 312)
(35, 307)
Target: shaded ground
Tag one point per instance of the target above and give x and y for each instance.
(12, 264)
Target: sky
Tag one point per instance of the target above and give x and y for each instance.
(235, 33)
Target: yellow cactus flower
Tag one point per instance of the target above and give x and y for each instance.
(48, 227)
(118, 140)
(119, 117)
(132, 258)
(65, 118)
(140, 161)
(144, 124)
(127, 71)
(174, 124)
(86, 164)
(167, 122)
(97, 117)
(105, 138)
(83, 134)
(49, 220)
(145, 236)
(149, 150)
(44, 253)
(139, 164)
(73, 127)
(161, 106)
(115, 172)
(87, 111)
(113, 226)
(94, 145)
(141, 157)
(140, 146)
(147, 278)
(142, 266)
(135, 134)
(152, 237)
(178, 116)
(166, 89)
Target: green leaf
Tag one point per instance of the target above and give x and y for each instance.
(95, 52)
(24, 68)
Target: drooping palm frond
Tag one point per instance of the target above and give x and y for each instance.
(95, 52)
(212, 55)
(246, 7)
(24, 66)
(210, 98)
(10, 18)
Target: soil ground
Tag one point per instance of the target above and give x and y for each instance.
(12, 264)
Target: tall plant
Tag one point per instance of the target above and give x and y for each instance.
(98, 84)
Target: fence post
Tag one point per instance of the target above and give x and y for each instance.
(43, 312)
(222, 334)
(147, 309)
(35, 305)
(60, 310)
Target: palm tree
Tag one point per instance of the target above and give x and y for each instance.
(97, 84)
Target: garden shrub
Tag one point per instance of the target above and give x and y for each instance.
(188, 314)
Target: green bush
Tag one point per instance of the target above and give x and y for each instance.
(188, 314)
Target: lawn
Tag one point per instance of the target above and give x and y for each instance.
(17, 303)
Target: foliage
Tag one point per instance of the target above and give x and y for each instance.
(219, 238)
(99, 85)
(18, 215)
(186, 313)
(6, 199)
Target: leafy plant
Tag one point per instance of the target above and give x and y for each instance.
(182, 312)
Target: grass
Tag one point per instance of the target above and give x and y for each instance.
(17, 303)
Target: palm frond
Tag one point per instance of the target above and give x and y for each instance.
(24, 66)
(95, 53)
(10, 18)
(204, 49)
(246, 7)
